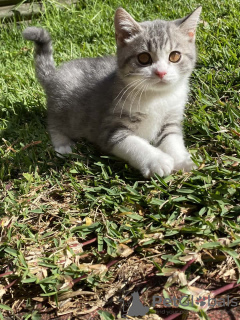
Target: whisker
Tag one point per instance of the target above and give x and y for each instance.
(130, 109)
(129, 95)
(134, 74)
(139, 100)
(130, 85)
(126, 87)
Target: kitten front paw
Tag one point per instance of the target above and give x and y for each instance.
(63, 150)
(184, 163)
(160, 163)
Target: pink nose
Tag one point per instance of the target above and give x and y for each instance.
(161, 74)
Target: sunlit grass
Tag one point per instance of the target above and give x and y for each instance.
(49, 207)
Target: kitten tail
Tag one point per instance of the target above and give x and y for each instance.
(44, 62)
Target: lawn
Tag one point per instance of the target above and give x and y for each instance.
(79, 235)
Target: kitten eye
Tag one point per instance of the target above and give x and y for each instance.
(175, 56)
(144, 58)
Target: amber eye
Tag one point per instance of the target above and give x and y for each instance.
(175, 56)
(144, 58)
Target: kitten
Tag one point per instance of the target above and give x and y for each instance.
(131, 105)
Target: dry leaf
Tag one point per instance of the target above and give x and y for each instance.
(224, 241)
(124, 213)
(169, 271)
(192, 255)
(71, 254)
(201, 298)
(75, 246)
(230, 274)
(177, 277)
(67, 282)
(157, 235)
(201, 166)
(96, 268)
(234, 131)
(123, 250)
(2, 290)
(88, 221)
(235, 164)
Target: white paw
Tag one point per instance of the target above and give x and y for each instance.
(157, 162)
(184, 163)
(63, 150)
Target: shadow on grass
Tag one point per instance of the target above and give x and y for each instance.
(24, 140)
(26, 147)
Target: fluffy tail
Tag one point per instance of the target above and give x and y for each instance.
(44, 62)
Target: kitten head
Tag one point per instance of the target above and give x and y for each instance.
(160, 52)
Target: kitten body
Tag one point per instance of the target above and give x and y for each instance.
(131, 105)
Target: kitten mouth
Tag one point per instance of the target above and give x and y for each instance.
(158, 81)
(162, 82)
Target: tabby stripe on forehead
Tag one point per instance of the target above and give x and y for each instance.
(166, 130)
(169, 37)
(166, 41)
(190, 57)
(129, 59)
(149, 45)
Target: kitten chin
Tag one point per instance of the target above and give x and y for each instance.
(132, 105)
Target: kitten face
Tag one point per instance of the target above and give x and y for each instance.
(160, 52)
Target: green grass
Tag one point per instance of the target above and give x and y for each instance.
(50, 206)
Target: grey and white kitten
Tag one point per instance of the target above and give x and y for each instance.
(131, 105)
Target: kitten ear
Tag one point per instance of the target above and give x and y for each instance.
(189, 24)
(125, 26)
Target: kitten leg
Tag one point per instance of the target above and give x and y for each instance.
(62, 144)
(173, 145)
(144, 157)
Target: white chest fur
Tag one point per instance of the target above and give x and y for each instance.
(160, 109)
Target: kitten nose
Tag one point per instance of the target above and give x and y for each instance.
(161, 74)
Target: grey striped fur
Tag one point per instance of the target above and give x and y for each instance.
(108, 99)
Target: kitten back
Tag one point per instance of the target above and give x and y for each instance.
(44, 62)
